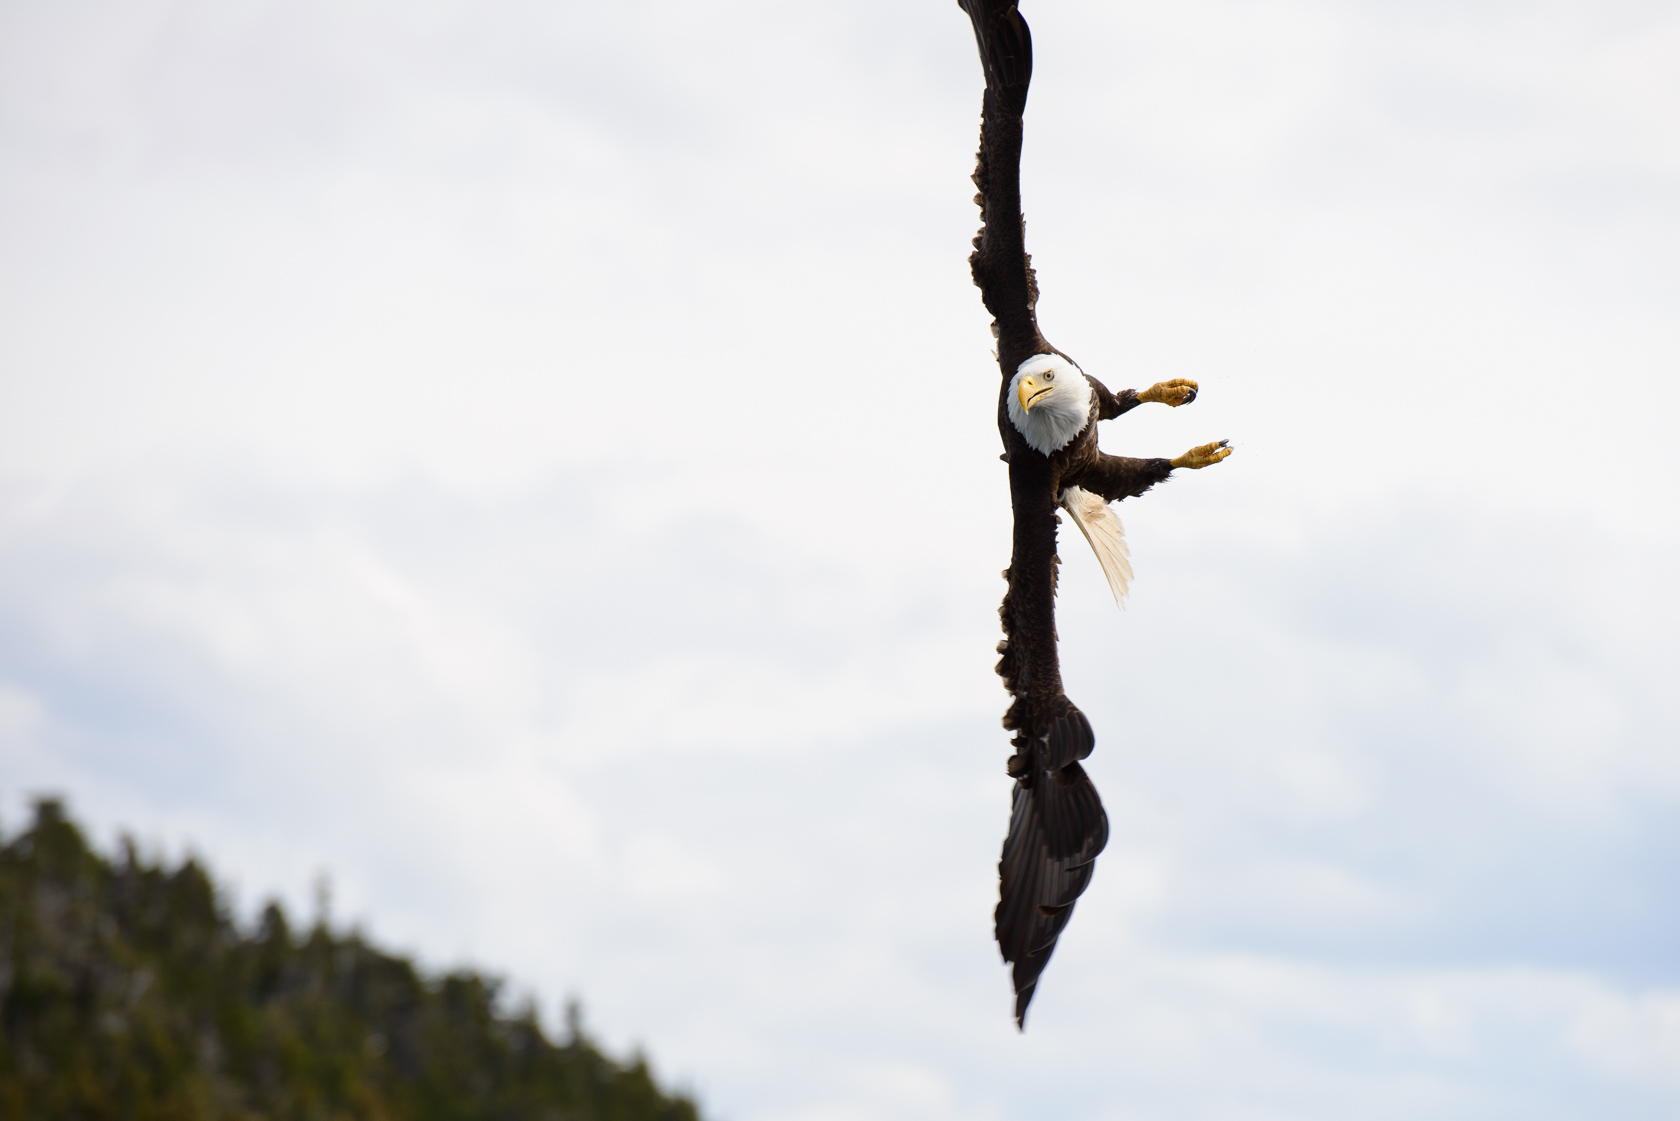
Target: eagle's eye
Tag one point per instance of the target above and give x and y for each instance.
(1050, 375)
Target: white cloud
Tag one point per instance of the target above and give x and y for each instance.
(316, 551)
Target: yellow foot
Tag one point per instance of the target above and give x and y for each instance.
(1178, 391)
(1204, 456)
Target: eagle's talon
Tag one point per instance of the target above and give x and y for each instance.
(1205, 456)
(1172, 393)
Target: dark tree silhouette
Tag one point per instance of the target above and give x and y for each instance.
(128, 993)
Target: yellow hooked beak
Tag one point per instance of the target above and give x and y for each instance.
(1029, 391)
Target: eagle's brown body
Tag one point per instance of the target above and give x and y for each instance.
(1057, 825)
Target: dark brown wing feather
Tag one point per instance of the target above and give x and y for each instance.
(1056, 830)
(1005, 45)
(1000, 264)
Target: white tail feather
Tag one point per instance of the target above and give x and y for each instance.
(1101, 527)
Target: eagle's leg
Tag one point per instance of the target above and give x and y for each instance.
(1118, 476)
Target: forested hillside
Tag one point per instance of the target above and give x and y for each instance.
(128, 993)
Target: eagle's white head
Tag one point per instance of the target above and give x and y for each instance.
(1049, 402)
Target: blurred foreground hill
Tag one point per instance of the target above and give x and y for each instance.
(128, 993)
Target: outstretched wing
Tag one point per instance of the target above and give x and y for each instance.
(1101, 527)
(1000, 265)
(1057, 826)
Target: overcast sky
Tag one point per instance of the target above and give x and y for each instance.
(535, 464)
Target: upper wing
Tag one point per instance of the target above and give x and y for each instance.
(1001, 267)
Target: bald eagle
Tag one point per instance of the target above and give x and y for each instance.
(1047, 413)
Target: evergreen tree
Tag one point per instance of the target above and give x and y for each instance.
(128, 993)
